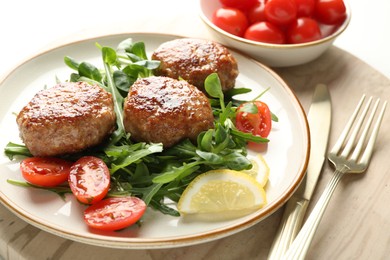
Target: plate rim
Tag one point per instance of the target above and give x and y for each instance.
(161, 242)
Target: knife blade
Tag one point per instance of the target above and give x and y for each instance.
(319, 118)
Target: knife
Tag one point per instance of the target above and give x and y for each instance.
(319, 118)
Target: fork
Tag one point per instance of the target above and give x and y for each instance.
(348, 156)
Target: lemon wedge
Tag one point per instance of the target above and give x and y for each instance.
(223, 191)
(259, 170)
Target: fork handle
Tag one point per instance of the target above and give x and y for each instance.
(300, 246)
(289, 226)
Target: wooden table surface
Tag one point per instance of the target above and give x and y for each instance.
(356, 224)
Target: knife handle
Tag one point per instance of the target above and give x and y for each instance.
(289, 227)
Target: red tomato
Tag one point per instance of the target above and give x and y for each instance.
(303, 30)
(305, 8)
(330, 11)
(239, 4)
(89, 179)
(280, 12)
(231, 20)
(256, 13)
(265, 32)
(45, 171)
(114, 213)
(259, 123)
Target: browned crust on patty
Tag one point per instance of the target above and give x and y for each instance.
(66, 118)
(162, 109)
(194, 59)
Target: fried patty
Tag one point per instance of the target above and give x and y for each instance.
(194, 59)
(165, 110)
(66, 118)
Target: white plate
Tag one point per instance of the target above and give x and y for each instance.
(287, 154)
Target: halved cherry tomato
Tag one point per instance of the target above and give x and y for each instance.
(89, 179)
(240, 4)
(114, 213)
(330, 11)
(231, 20)
(265, 32)
(45, 171)
(281, 12)
(259, 123)
(304, 29)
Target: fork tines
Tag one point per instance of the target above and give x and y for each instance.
(354, 128)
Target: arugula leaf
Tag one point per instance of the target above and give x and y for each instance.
(138, 49)
(72, 63)
(213, 88)
(109, 59)
(176, 173)
(122, 81)
(236, 91)
(150, 192)
(60, 190)
(237, 161)
(133, 156)
(88, 70)
(164, 209)
(250, 108)
(147, 170)
(185, 149)
(274, 117)
(109, 56)
(13, 149)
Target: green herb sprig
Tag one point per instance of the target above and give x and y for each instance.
(147, 170)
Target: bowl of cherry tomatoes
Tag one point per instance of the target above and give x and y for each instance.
(278, 33)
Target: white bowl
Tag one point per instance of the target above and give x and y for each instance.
(273, 55)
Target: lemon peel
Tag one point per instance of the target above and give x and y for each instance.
(225, 192)
(260, 170)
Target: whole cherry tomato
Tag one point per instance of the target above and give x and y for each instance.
(305, 29)
(240, 4)
(305, 8)
(265, 32)
(231, 20)
(256, 13)
(281, 12)
(330, 11)
(277, 21)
